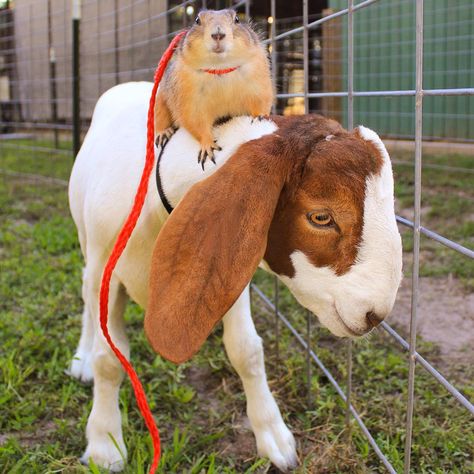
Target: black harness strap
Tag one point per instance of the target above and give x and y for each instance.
(164, 199)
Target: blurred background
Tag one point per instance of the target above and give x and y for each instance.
(121, 40)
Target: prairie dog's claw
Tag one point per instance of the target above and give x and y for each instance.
(163, 137)
(259, 118)
(208, 152)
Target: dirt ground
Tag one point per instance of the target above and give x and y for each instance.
(445, 316)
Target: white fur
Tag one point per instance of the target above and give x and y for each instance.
(102, 186)
(178, 168)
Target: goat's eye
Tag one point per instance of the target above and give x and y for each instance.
(197, 21)
(320, 219)
(236, 19)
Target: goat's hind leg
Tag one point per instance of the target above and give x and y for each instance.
(104, 427)
(81, 364)
(245, 351)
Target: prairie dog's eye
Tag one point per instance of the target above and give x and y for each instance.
(236, 19)
(197, 21)
(320, 219)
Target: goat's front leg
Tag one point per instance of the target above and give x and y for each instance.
(104, 427)
(245, 351)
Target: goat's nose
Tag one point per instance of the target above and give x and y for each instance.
(218, 35)
(373, 320)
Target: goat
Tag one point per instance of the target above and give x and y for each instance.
(299, 196)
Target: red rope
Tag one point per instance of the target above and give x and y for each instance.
(119, 247)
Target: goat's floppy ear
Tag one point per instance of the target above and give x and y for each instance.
(210, 246)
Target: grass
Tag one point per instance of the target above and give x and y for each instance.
(200, 406)
(447, 208)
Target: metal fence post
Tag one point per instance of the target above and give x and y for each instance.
(306, 110)
(273, 52)
(350, 126)
(274, 74)
(99, 51)
(309, 371)
(52, 78)
(416, 230)
(76, 106)
(116, 43)
(350, 64)
(277, 319)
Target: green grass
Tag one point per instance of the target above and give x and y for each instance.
(36, 156)
(447, 208)
(199, 406)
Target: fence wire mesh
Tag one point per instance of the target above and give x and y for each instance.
(396, 66)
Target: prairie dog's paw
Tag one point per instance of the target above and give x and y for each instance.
(207, 151)
(163, 136)
(259, 118)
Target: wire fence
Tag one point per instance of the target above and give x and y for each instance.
(350, 94)
(53, 70)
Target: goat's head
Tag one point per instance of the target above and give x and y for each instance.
(311, 200)
(334, 241)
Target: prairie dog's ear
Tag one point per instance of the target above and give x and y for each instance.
(210, 246)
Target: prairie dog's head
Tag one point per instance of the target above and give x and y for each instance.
(218, 38)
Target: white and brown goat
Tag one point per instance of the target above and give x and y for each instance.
(299, 196)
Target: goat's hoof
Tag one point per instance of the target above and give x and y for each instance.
(278, 444)
(163, 137)
(81, 368)
(106, 455)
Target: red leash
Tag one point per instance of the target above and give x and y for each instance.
(119, 247)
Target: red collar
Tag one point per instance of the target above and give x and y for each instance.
(220, 72)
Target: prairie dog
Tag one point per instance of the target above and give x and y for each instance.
(220, 69)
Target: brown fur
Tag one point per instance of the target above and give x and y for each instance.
(329, 176)
(205, 255)
(194, 99)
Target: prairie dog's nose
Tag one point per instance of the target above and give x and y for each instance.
(218, 34)
(373, 320)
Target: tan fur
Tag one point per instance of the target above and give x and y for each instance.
(191, 98)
